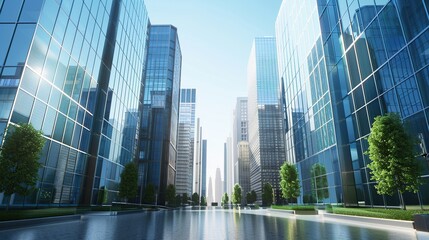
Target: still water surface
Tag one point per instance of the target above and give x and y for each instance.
(208, 224)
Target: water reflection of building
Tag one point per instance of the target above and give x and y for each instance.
(354, 62)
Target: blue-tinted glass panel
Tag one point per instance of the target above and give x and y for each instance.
(423, 82)
(413, 17)
(10, 10)
(383, 79)
(38, 114)
(38, 50)
(48, 15)
(6, 31)
(22, 109)
(401, 66)
(59, 127)
(409, 97)
(391, 29)
(30, 11)
(21, 42)
(419, 50)
(48, 123)
(389, 102)
(375, 44)
(30, 81)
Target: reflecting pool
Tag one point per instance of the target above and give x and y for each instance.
(206, 224)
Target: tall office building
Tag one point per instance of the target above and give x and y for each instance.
(341, 65)
(160, 111)
(210, 198)
(266, 136)
(228, 177)
(204, 169)
(185, 142)
(218, 187)
(73, 71)
(197, 160)
(240, 146)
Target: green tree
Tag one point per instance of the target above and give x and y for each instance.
(203, 201)
(185, 198)
(267, 195)
(195, 199)
(170, 195)
(289, 181)
(149, 194)
(178, 200)
(225, 199)
(251, 197)
(102, 195)
(391, 149)
(236, 194)
(128, 187)
(19, 157)
(319, 182)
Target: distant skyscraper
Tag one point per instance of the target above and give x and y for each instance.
(228, 167)
(204, 169)
(218, 186)
(266, 134)
(74, 72)
(186, 142)
(197, 160)
(210, 198)
(240, 145)
(160, 113)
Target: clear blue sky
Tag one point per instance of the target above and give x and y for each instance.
(216, 38)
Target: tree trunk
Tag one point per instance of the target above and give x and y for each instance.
(401, 200)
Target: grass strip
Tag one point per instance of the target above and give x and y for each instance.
(396, 214)
(294, 207)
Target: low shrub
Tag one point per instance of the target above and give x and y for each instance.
(294, 207)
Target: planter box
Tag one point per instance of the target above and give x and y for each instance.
(421, 222)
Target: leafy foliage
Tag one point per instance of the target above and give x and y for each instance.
(295, 207)
(203, 201)
(225, 199)
(251, 197)
(379, 212)
(236, 194)
(391, 150)
(128, 187)
(178, 200)
(195, 199)
(289, 181)
(319, 181)
(185, 198)
(170, 195)
(19, 157)
(149, 194)
(267, 194)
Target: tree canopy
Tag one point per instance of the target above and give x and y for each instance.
(251, 197)
(128, 187)
(391, 150)
(236, 194)
(289, 181)
(19, 157)
(267, 194)
(149, 194)
(225, 199)
(195, 199)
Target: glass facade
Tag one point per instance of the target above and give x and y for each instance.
(74, 70)
(186, 142)
(266, 138)
(160, 113)
(204, 169)
(356, 59)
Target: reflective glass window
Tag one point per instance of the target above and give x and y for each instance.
(363, 124)
(38, 50)
(60, 26)
(10, 10)
(51, 61)
(413, 17)
(375, 44)
(68, 132)
(363, 58)
(409, 97)
(48, 15)
(59, 127)
(6, 31)
(353, 68)
(369, 89)
(391, 29)
(30, 81)
(38, 114)
(54, 151)
(423, 82)
(373, 111)
(48, 123)
(401, 66)
(63, 63)
(358, 97)
(7, 96)
(383, 79)
(31, 11)
(389, 102)
(22, 109)
(20, 44)
(419, 50)
(44, 90)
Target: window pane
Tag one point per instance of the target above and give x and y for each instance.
(409, 97)
(31, 11)
(38, 50)
(30, 81)
(20, 44)
(419, 50)
(391, 29)
(38, 114)
(22, 109)
(10, 10)
(413, 17)
(6, 31)
(49, 14)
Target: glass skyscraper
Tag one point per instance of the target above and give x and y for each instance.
(186, 142)
(266, 135)
(74, 70)
(342, 63)
(204, 169)
(160, 112)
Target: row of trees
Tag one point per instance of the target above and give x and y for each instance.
(393, 163)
